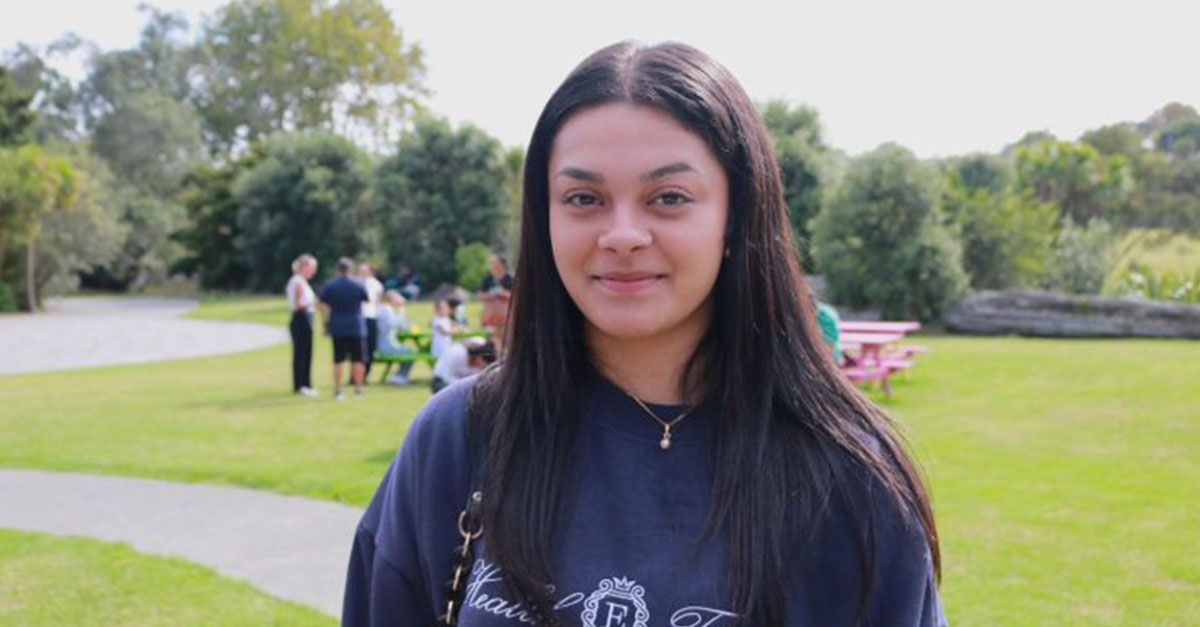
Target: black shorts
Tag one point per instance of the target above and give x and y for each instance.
(352, 348)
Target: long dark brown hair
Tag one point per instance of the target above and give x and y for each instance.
(789, 422)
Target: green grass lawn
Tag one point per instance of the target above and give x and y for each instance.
(1064, 473)
(47, 581)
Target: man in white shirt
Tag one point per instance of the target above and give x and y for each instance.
(460, 360)
(370, 311)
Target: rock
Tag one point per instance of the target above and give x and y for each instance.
(1053, 314)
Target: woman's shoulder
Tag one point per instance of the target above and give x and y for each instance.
(442, 423)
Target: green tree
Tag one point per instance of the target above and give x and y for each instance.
(304, 195)
(803, 163)
(212, 233)
(15, 115)
(1080, 181)
(1005, 234)
(281, 65)
(135, 108)
(55, 99)
(471, 261)
(91, 234)
(32, 183)
(1117, 139)
(443, 188)
(1181, 138)
(879, 243)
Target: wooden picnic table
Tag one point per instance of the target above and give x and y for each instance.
(871, 326)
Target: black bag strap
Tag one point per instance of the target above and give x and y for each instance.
(469, 530)
(469, 524)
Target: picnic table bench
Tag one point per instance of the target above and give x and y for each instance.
(422, 341)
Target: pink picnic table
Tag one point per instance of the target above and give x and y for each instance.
(869, 345)
(868, 326)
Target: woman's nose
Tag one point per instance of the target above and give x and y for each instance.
(626, 232)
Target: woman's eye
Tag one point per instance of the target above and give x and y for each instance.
(671, 199)
(581, 199)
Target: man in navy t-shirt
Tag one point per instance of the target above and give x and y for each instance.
(341, 309)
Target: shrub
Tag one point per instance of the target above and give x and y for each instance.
(1081, 258)
(305, 195)
(471, 260)
(878, 241)
(443, 188)
(8, 300)
(1143, 282)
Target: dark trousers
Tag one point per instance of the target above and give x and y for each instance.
(302, 341)
(372, 344)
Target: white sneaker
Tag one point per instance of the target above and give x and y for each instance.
(398, 379)
(309, 392)
(339, 396)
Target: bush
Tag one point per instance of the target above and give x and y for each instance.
(8, 300)
(305, 195)
(879, 243)
(471, 260)
(1005, 236)
(443, 188)
(1082, 257)
(1143, 282)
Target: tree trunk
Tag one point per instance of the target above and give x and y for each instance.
(30, 286)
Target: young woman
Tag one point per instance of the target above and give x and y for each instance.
(302, 300)
(666, 442)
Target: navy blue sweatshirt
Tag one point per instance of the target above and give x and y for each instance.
(631, 555)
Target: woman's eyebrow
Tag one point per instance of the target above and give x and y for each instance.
(581, 174)
(666, 170)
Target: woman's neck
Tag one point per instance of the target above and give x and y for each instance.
(651, 369)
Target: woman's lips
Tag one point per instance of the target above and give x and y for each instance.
(628, 282)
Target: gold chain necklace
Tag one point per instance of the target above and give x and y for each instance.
(665, 442)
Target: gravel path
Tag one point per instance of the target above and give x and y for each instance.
(290, 547)
(83, 332)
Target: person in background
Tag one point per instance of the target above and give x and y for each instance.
(495, 292)
(374, 293)
(341, 313)
(407, 282)
(443, 327)
(392, 319)
(828, 319)
(461, 360)
(458, 309)
(302, 300)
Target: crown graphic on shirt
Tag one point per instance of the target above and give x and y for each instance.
(621, 584)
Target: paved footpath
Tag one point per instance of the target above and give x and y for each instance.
(290, 547)
(100, 331)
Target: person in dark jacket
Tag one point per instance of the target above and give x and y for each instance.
(666, 442)
(341, 311)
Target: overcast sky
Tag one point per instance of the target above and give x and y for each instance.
(941, 77)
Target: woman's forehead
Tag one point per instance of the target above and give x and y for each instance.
(626, 136)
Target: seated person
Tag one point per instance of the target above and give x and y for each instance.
(407, 282)
(443, 327)
(461, 360)
(458, 310)
(391, 320)
(828, 320)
